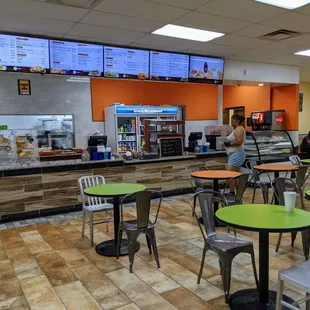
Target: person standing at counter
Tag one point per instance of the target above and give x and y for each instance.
(305, 145)
(234, 147)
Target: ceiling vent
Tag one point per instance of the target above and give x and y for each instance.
(280, 35)
(85, 4)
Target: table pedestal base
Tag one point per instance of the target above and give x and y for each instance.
(108, 248)
(249, 300)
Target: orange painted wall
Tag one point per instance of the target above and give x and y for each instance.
(253, 98)
(286, 98)
(201, 101)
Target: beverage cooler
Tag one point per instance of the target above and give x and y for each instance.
(124, 125)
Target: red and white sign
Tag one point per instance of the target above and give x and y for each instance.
(279, 119)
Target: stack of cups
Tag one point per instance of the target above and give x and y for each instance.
(289, 201)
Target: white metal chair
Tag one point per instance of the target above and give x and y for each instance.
(92, 205)
(299, 277)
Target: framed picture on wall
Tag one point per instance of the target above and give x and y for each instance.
(301, 100)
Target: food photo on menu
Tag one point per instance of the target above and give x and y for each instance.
(206, 68)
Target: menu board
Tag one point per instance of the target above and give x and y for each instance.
(76, 58)
(169, 66)
(171, 146)
(206, 70)
(126, 63)
(23, 54)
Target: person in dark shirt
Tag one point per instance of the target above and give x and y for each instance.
(305, 145)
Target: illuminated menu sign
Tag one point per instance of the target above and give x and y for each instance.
(169, 66)
(76, 58)
(126, 63)
(23, 54)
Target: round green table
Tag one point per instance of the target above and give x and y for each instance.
(115, 191)
(264, 219)
(305, 161)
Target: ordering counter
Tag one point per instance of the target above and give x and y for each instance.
(47, 188)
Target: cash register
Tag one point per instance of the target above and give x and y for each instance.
(94, 142)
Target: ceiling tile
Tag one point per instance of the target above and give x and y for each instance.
(120, 21)
(141, 9)
(302, 40)
(156, 48)
(162, 41)
(255, 31)
(304, 9)
(31, 23)
(95, 40)
(290, 21)
(185, 4)
(210, 22)
(105, 33)
(247, 10)
(44, 10)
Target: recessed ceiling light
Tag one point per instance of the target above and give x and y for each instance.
(286, 4)
(303, 53)
(187, 33)
(260, 84)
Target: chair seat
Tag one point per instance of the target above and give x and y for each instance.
(132, 225)
(230, 198)
(99, 207)
(298, 276)
(226, 243)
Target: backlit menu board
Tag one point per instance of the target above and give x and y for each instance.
(23, 54)
(169, 66)
(206, 70)
(126, 63)
(76, 58)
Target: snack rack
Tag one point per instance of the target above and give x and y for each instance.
(26, 146)
(7, 148)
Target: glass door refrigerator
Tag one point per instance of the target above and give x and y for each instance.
(124, 125)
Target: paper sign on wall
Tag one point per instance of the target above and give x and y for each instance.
(24, 87)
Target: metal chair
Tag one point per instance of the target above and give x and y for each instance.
(255, 178)
(226, 247)
(92, 205)
(142, 225)
(242, 186)
(279, 186)
(196, 184)
(299, 277)
(295, 160)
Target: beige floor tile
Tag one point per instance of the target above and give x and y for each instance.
(129, 307)
(19, 253)
(75, 296)
(60, 275)
(6, 270)
(35, 242)
(40, 294)
(73, 257)
(140, 293)
(15, 303)
(26, 268)
(102, 289)
(10, 289)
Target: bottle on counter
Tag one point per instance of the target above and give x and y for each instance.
(85, 155)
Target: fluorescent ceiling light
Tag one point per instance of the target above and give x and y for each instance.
(303, 53)
(261, 85)
(187, 33)
(286, 4)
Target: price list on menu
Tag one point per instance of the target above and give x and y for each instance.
(76, 58)
(23, 54)
(126, 63)
(168, 66)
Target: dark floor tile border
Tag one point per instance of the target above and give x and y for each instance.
(59, 169)
(18, 172)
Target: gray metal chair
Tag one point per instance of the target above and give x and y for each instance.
(279, 186)
(242, 186)
(226, 247)
(295, 160)
(92, 205)
(197, 184)
(142, 225)
(299, 277)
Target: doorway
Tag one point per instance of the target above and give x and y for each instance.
(229, 112)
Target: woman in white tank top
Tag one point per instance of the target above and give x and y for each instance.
(234, 147)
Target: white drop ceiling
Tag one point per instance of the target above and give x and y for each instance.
(130, 22)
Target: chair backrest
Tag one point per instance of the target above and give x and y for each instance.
(295, 160)
(196, 184)
(88, 181)
(302, 176)
(206, 199)
(253, 172)
(143, 206)
(242, 186)
(281, 185)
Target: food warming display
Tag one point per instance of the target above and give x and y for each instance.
(7, 148)
(26, 146)
(206, 70)
(126, 63)
(76, 58)
(23, 54)
(168, 66)
(269, 146)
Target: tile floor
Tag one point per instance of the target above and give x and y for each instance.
(45, 264)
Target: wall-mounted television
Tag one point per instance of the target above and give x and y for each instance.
(76, 58)
(23, 54)
(204, 69)
(169, 66)
(126, 63)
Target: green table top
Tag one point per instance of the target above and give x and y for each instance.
(114, 189)
(260, 217)
(305, 161)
